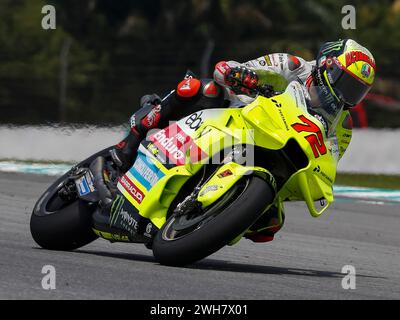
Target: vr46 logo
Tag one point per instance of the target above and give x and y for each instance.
(315, 139)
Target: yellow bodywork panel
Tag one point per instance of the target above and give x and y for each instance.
(219, 183)
(268, 123)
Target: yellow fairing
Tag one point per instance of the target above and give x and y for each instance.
(226, 129)
(273, 121)
(157, 201)
(216, 187)
(267, 123)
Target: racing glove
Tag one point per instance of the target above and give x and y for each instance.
(240, 79)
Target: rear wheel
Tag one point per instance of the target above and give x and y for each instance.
(58, 224)
(66, 229)
(191, 237)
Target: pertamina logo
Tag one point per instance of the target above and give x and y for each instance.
(132, 189)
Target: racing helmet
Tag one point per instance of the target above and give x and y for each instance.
(347, 69)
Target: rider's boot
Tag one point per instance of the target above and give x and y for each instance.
(146, 118)
(265, 228)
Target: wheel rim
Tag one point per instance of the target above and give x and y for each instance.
(179, 227)
(51, 202)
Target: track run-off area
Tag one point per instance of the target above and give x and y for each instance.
(305, 261)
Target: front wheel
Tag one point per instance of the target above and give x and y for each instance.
(186, 239)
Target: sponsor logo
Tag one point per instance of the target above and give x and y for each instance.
(149, 230)
(322, 61)
(355, 56)
(186, 84)
(225, 173)
(116, 209)
(174, 143)
(169, 144)
(322, 120)
(123, 216)
(156, 153)
(283, 119)
(89, 179)
(262, 62)
(298, 93)
(279, 106)
(329, 99)
(152, 148)
(281, 60)
(83, 187)
(366, 70)
(133, 121)
(268, 60)
(129, 220)
(334, 148)
(152, 118)
(146, 172)
(274, 62)
(332, 46)
(318, 170)
(132, 189)
(222, 67)
(195, 120)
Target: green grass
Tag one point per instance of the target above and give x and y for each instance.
(368, 180)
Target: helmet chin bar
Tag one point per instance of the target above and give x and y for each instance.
(323, 102)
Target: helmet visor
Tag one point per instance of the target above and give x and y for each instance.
(347, 87)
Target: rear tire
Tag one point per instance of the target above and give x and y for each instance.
(234, 219)
(57, 225)
(67, 229)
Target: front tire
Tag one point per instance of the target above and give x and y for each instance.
(240, 207)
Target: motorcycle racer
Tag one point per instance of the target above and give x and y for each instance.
(336, 81)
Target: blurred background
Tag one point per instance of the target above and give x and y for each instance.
(105, 54)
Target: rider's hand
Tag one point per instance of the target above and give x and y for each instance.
(241, 80)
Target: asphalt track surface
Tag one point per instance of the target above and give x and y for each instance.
(303, 262)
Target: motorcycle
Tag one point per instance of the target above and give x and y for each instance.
(198, 184)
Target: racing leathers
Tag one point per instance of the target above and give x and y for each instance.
(233, 86)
